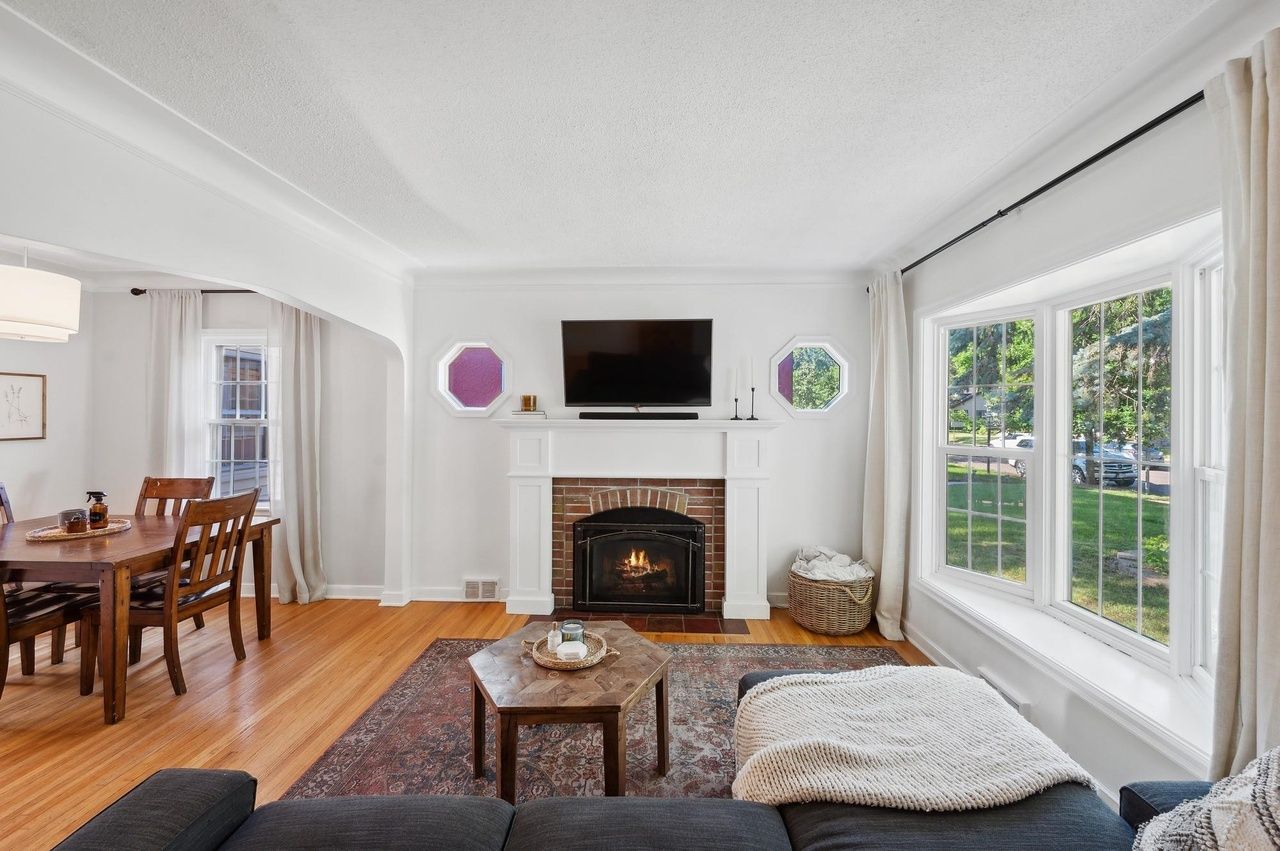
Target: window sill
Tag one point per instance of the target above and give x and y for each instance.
(1171, 713)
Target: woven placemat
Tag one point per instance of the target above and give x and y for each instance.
(55, 533)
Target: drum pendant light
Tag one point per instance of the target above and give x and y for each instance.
(38, 305)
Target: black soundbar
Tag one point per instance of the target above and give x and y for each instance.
(638, 415)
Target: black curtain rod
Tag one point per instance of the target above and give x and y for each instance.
(1062, 178)
(141, 291)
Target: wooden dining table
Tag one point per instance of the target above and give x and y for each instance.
(112, 561)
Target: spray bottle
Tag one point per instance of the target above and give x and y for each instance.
(98, 511)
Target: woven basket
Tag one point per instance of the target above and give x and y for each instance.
(597, 651)
(830, 607)
(55, 533)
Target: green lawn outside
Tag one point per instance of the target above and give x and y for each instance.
(1119, 536)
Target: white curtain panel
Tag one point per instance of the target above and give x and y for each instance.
(175, 410)
(294, 406)
(886, 501)
(1246, 109)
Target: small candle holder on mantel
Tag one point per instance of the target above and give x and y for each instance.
(753, 406)
(735, 416)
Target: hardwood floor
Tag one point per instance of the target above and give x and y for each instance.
(272, 715)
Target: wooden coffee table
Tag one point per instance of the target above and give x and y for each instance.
(520, 691)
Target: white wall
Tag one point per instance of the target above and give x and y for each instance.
(460, 483)
(46, 476)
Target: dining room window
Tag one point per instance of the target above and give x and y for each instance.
(239, 422)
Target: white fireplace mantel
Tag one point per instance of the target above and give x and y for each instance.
(733, 450)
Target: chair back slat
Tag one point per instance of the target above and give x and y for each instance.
(6, 517)
(219, 546)
(171, 495)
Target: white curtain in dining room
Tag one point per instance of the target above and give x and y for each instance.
(175, 436)
(1245, 102)
(294, 411)
(886, 504)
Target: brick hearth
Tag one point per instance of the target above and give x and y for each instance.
(575, 499)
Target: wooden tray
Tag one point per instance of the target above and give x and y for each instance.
(55, 533)
(597, 651)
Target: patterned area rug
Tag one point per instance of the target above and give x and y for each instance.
(416, 738)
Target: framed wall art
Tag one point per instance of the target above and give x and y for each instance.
(22, 406)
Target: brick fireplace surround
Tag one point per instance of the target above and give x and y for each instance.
(576, 499)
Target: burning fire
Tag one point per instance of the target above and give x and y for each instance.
(637, 564)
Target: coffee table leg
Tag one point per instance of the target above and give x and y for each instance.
(615, 755)
(664, 726)
(477, 729)
(508, 736)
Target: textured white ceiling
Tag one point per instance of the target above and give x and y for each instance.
(511, 133)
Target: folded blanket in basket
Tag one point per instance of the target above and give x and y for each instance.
(914, 738)
(824, 563)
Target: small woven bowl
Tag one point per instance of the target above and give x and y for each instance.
(597, 651)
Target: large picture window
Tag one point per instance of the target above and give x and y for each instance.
(1076, 452)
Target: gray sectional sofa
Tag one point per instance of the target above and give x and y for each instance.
(202, 810)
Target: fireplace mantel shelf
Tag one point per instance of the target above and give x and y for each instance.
(540, 424)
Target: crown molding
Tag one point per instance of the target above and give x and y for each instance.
(46, 72)
(633, 276)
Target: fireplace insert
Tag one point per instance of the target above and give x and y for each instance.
(639, 560)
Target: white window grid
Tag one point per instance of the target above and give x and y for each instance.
(232, 474)
(1001, 457)
(1194, 536)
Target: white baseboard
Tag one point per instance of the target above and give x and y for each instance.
(393, 598)
(778, 599)
(354, 592)
(438, 593)
(750, 609)
(531, 605)
(247, 590)
(925, 645)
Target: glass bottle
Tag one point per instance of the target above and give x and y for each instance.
(98, 510)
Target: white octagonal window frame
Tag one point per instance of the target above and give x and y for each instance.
(828, 345)
(446, 358)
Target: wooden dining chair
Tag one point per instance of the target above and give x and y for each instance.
(6, 507)
(210, 578)
(168, 495)
(171, 495)
(32, 612)
(26, 603)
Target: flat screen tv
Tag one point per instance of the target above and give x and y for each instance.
(636, 362)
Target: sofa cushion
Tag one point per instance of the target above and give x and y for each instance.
(177, 809)
(1064, 816)
(387, 821)
(1141, 802)
(646, 824)
(755, 678)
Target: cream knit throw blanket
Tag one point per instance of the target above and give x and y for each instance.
(914, 738)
